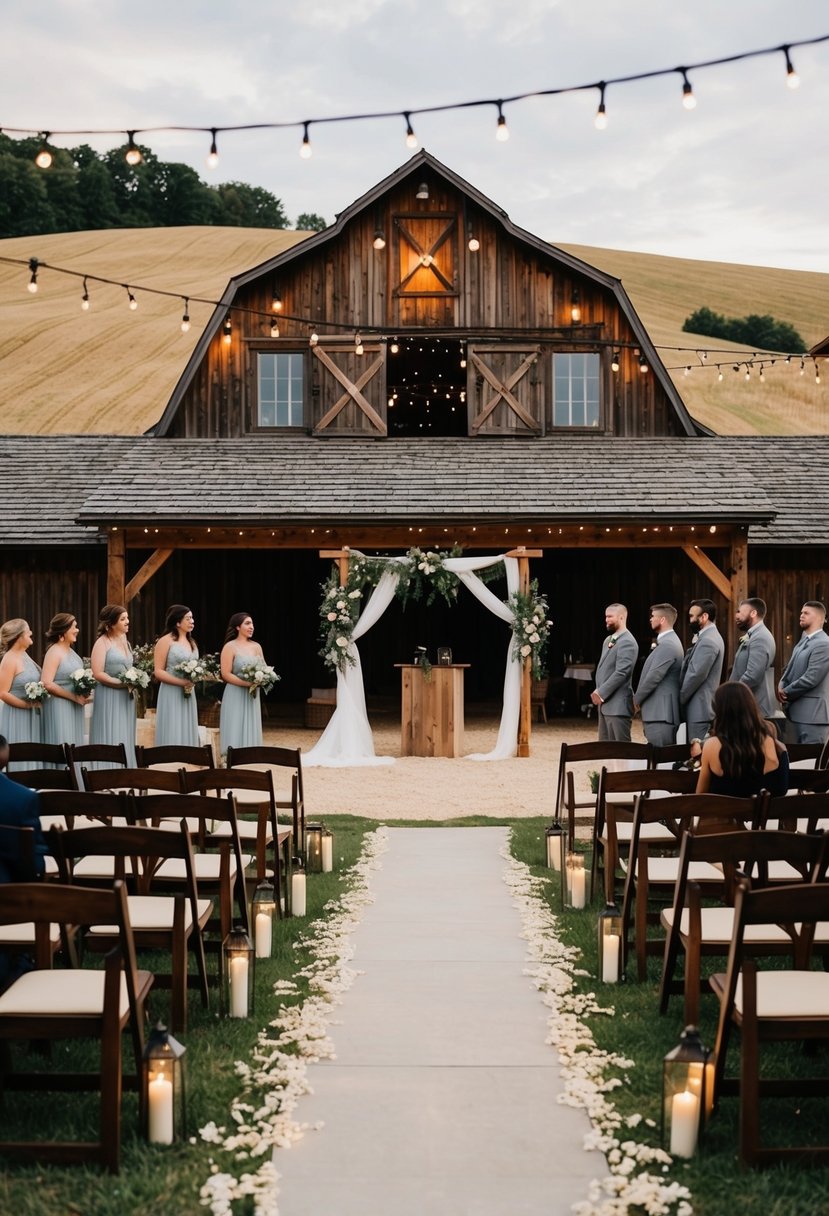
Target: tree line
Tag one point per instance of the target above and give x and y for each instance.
(87, 190)
(762, 332)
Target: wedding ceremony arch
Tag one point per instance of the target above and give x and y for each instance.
(347, 739)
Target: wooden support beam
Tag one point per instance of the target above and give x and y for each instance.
(153, 563)
(342, 557)
(116, 566)
(710, 569)
(739, 591)
(525, 716)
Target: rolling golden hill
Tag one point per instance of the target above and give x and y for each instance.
(111, 370)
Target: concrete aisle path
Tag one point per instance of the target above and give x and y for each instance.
(442, 1098)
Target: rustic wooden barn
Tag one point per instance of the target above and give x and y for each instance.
(421, 372)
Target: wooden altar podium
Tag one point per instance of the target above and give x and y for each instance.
(431, 711)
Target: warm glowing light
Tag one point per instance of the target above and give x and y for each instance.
(379, 239)
(33, 265)
(792, 78)
(85, 297)
(616, 361)
(227, 332)
(274, 329)
(411, 138)
(213, 155)
(358, 345)
(305, 151)
(600, 121)
(501, 130)
(314, 339)
(44, 157)
(133, 153)
(688, 98)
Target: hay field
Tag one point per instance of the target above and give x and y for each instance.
(111, 371)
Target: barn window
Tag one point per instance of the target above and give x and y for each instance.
(281, 388)
(576, 390)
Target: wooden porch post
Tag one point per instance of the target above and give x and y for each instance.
(116, 566)
(525, 716)
(342, 557)
(739, 590)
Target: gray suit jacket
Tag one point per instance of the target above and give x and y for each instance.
(805, 680)
(613, 675)
(754, 666)
(658, 689)
(700, 675)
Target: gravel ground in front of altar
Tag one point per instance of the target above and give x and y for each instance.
(432, 788)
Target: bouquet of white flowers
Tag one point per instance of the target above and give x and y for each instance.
(36, 692)
(197, 671)
(83, 681)
(134, 679)
(259, 675)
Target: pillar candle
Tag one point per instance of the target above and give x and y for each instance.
(298, 894)
(160, 1114)
(263, 935)
(684, 1124)
(577, 889)
(239, 987)
(610, 958)
(327, 854)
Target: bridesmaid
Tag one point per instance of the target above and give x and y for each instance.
(20, 722)
(177, 718)
(63, 712)
(240, 724)
(113, 709)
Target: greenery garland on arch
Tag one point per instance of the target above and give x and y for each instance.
(422, 573)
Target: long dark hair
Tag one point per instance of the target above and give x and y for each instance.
(233, 625)
(172, 617)
(108, 616)
(740, 729)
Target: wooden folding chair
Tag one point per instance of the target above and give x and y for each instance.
(700, 931)
(38, 754)
(50, 1005)
(107, 755)
(175, 756)
(670, 754)
(43, 778)
(133, 780)
(771, 1006)
(598, 753)
(276, 760)
(77, 808)
(170, 923)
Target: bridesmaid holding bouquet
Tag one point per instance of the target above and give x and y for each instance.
(20, 719)
(63, 712)
(240, 723)
(113, 709)
(177, 718)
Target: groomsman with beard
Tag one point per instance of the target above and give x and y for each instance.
(754, 660)
(804, 684)
(657, 693)
(613, 694)
(701, 669)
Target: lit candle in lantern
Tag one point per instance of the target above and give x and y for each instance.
(263, 935)
(576, 877)
(160, 1095)
(610, 958)
(238, 987)
(327, 853)
(684, 1124)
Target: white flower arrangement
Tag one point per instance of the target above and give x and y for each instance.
(530, 627)
(135, 679)
(260, 676)
(36, 692)
(196, 671)
(82, 681)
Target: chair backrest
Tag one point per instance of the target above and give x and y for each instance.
(681, 810)
(38, 753)
(72, 803)
(645, 780)
(145, 848)
(43, 778)
(223, 780)
(199, 757)
(278, 757)
(805, 751)
(138, 779)
(93, 753)
(574, 753)
(811, 780)
(671, 753)
(17, 849)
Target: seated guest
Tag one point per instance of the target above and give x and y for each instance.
(741, 756)
(19, 808)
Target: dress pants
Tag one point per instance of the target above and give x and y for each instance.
(613, 729)
(660, 734)
(811, 732)
(698, 730)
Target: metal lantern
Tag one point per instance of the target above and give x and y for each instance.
(164, 1093)
(610, 945)
(262, 912)
(313, 847)
(687, 1093)
(237, 974)
(575, 880)
(444, 656)
(555, 840)
(327, 850)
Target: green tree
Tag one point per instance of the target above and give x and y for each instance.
(246, 206)
(309, 221)
(25, 208)
(763, 332)
(180, 196)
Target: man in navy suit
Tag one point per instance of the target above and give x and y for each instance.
(19, 808)
(804, 685)
(613, 694)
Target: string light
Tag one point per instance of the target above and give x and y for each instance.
(501, 130)
(131, 300)
(762, 375)
(688, 99)
(817, 372)
(395, 346)
(305, 151)
(616, 361)
(472, 242)
(276, 301)
(185, 320)
(575, 306)
(411, 138)
(227, 331)
(358, 345)
(314, 339)
(802, 367)
(643, 365)
(719, 374)
(85, 296)
(44, 157)
(600, 121)
(422, 191)
(133, 154)
(748, 372)
(379, 239)
(33, 265)
(274, 328)
(213, 155)
(792, 78)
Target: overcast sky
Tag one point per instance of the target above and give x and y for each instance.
(742, 178)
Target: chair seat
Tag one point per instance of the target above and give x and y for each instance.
(24, 934)
(207, 867)
(782, 871)
(193, 825)
(789, 994)
(53, 821)
(248, 830)
(648, 831)
(73, 993)
(153, 913)
(717, 925)
(666, 870)
(94, 867)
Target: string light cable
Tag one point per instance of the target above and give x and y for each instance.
(44, 157)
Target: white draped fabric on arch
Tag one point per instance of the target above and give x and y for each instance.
(347, 739)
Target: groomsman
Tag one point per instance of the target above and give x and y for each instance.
(613, 694)
(701, 669)
(657, 693)
(754, 660)
(804, 685)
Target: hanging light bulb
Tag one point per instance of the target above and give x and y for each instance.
(792, 78)
(600, 121)
(762, 375)
(411, 138)
(643, 365)
(395, 346)
(616, 361)
(702, 354)
(85, 296)
(213, 155)
(131, 300)
(227, 331)
(185, 320)
(688, 98)
(748, 372)
(472, 242)
(817, 372)
(44, 157)
(379, 239)
(358, 345)
(33, 265)
(274, 328)
(463, 354)
(802, 367)
(501, 130)
(276, 301)
(305, 150)
(688, 370)
(133, 153)
(575, 306)
(423, 191)
(314, 339)
(719, 374)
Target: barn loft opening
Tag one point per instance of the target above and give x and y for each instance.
(427, 387)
